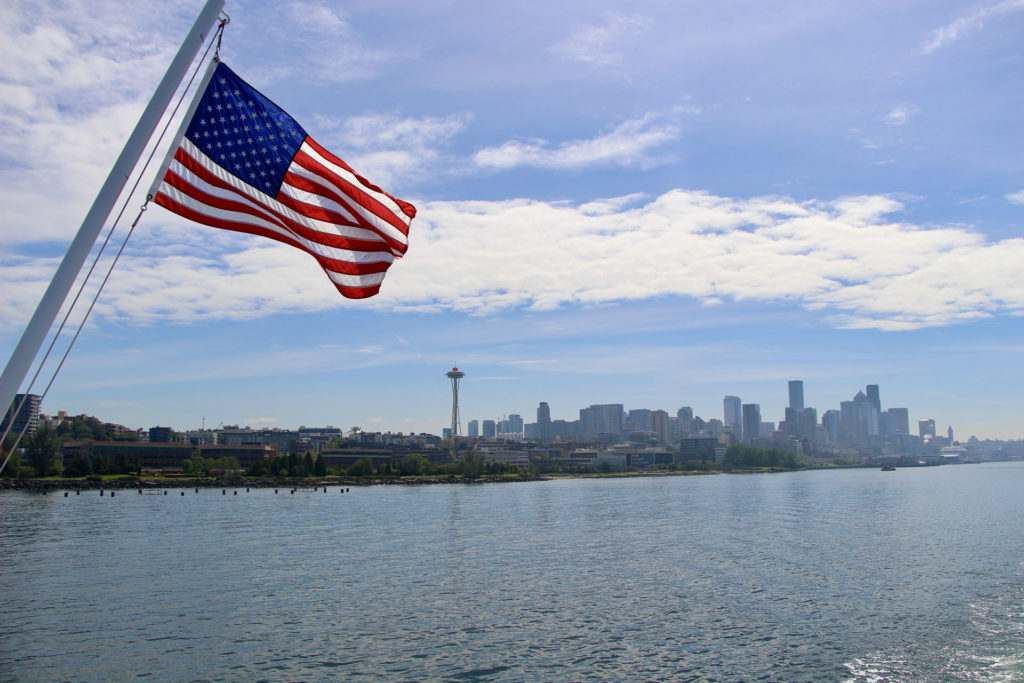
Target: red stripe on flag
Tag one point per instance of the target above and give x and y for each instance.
(347, 194)
(267, 213)
(327, 263)
(407, 208)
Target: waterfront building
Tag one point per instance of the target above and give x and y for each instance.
(161, 435)
(27, 418)
(163, 455)
(700, 449)
(285, 440)
(926, 428)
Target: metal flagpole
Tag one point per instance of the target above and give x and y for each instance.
(27, 348)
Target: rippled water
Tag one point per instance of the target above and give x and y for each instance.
(859, 575)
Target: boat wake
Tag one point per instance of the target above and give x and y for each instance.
(990, 649)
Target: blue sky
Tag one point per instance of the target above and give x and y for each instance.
(647, 203)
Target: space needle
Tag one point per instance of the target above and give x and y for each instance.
(455, 375)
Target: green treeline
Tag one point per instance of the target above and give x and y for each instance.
(742, 456)
(85, 427)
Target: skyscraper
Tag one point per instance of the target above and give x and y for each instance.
(732, 415)
(543, 421)
(602, 419)
(830, 421)
(640, 419)
(873, 397)
(473, 428)
(900, 420)
(515, 425)
(751, 421)
(659, 425)
(796, 394)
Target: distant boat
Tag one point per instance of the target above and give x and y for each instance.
(888, 468)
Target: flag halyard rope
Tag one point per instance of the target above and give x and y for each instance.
(216, 41)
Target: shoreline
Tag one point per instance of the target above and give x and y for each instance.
(152, 483)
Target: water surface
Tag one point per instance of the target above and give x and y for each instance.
(862, 575)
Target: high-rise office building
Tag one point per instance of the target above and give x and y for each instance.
(543, 421)
(473, 428)
(830, 421)
(640, 419)
(751, 421)
(900, 420)
(488, 429)
(926, 427)
(874, 397)
(602, 419)
(733, 414)
(659, 425)
(684, 420)
(515, 425)
(796, 394)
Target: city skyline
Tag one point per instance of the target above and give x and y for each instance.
(657, 206)
(730, 413)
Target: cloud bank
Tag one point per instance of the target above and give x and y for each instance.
(846, 259)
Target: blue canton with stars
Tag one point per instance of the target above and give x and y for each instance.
(244, 132)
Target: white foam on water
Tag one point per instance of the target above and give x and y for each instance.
(991, 650)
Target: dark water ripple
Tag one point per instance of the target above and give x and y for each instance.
(852, 575)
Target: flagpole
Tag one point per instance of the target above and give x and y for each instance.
(27, 348)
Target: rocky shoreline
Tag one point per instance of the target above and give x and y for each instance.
(128, 483)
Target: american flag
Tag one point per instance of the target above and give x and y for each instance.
(244, 164)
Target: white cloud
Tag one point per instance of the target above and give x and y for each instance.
(900, 115)
(968, 24)
(70, 93)
(389, 148)
(598, 44)
(843, 258)
(629, 144)
(323, 46)
(1016, 197)
(315, 17)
